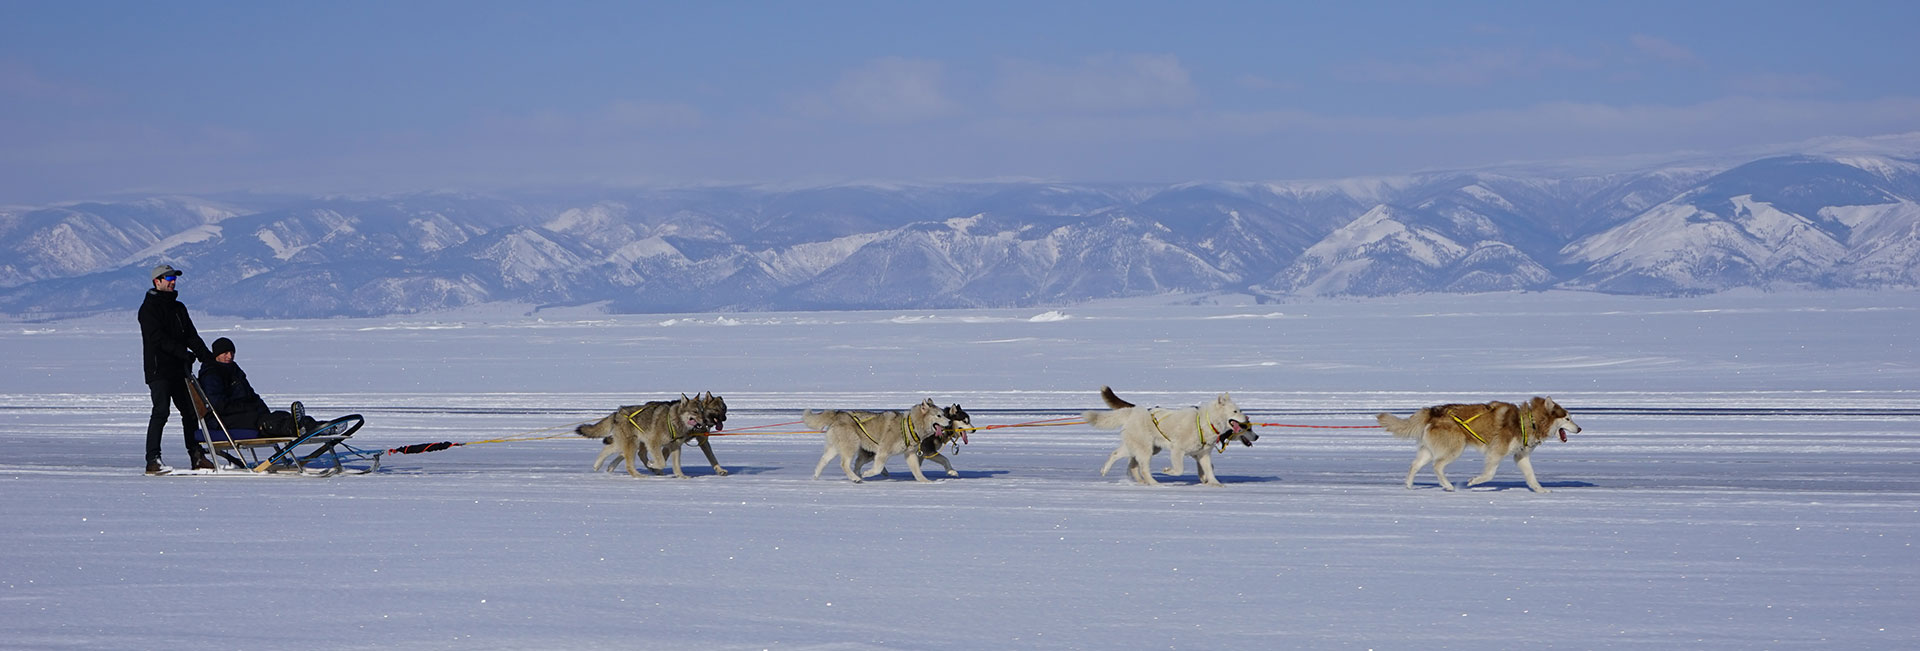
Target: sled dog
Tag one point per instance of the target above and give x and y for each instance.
(857, 437)
(1192, 431)
(713, 409)
(1497, 428)
(653, 431)
(960, 422)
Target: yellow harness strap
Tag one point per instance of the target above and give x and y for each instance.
(1155, 415)
(1526, 427)
(1463, 423)
(636, 425)
(1198, 431)
(863, 429)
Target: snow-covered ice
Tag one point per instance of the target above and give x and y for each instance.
(1748, 477)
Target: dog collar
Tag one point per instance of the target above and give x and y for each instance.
(1218, 438)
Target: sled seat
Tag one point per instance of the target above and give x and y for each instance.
(241, 438)
(216, 437)
(245, 438)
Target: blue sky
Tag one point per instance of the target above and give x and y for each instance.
(98, 98)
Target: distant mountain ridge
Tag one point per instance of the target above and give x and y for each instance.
(1831, 219)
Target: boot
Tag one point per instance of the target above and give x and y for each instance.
(201, 462)
(154, 467)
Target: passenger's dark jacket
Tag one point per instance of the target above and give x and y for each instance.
(168, 337)
(231, 395)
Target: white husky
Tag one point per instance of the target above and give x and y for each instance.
(1192, 431)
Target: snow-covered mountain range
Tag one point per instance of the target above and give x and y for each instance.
(1820, 219)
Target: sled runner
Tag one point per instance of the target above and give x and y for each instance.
(322, 452)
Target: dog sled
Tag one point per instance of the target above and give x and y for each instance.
(324, 451)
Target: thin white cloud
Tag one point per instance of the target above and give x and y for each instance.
(1264, 83)
(1664, 50)
(620, 118)
(1108, 83)
(1586, 120)
(20, 81)
(1781, 84)
(1283, 144)
(888, 90)
(1468, 67)
(651, 115)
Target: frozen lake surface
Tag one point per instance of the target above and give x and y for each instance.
(1748, 477)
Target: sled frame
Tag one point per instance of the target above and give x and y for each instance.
(330, 455)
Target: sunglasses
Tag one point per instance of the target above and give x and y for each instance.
(169, 278)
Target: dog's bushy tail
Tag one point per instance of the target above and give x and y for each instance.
(603, 429)
(1406, 428)
(818, 420)
(1115, 417)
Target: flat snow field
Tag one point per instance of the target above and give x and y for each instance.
(1748, 478)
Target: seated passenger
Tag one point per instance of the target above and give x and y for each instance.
(238, 406)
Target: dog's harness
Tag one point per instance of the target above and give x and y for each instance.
(861, 424)
(1197, 431)
(1469, 428)
(906, 432)
(1526, 427)
(670, 433)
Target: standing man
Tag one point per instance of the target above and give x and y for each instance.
(171, 344)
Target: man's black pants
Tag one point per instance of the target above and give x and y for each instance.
(172, 391)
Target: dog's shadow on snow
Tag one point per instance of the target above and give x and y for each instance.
(938, 475)
(1230, 479)
(732, 470)
(1498, 486)
(1190, 480)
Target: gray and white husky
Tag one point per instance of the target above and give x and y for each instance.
(857, 437)
(653, 431)
(1191, 431)
(714, 410)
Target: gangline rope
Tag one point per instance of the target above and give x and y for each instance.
(540, 434)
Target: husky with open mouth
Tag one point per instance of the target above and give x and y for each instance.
(1192, 431)
(1497, 428)
(859, 437)
(649, 434)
